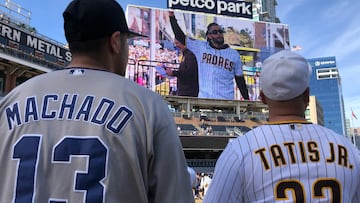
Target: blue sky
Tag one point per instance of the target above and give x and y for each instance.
(321, 27)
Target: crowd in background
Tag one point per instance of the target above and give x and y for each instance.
(202, 184)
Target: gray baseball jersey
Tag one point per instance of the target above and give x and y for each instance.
(287, 163)
(217, 69)
(82, 135)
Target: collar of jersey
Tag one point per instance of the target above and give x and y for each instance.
(288, 122)
(87, 68)
(224, 46)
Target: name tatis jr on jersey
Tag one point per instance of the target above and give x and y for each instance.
(302, 152)
(102, 112)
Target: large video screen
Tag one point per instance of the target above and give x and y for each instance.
(151, 57)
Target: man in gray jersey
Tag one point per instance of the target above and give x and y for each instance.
(218, 64)
(85, 133)
(289, 159)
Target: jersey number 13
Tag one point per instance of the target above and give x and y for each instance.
(26, 151)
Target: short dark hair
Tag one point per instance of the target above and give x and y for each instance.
(89, 46)
(209, 26)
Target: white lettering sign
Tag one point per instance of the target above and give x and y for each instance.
(220, 7)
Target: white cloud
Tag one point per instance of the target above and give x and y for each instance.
(286, 8)
(335, 11)
(344, 43)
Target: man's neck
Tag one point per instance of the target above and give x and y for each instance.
(289, 118)
(218, 46)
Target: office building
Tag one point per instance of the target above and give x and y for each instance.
(314, 112)
(265, 10)
(325, 84)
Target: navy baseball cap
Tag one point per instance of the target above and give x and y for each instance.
(93, 19)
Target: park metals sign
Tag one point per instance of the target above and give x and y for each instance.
(234, 8)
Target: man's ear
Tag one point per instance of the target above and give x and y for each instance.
(115, 42)
(307, 96)
(263, 97)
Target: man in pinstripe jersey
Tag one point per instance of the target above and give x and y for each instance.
(218, 64)
(289, 159)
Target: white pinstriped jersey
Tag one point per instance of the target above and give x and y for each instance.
(217, 69)
(285, 163)
(82, 135)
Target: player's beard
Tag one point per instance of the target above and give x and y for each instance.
(218, 41)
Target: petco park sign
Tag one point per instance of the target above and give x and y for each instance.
(235, 8)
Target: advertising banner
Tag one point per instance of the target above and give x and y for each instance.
(32, 44)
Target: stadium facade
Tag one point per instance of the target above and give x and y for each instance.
(205, 125)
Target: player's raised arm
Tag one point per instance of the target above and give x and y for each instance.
(240, 82)
(179, 34)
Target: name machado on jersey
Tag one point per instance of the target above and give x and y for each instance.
(101, 111)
